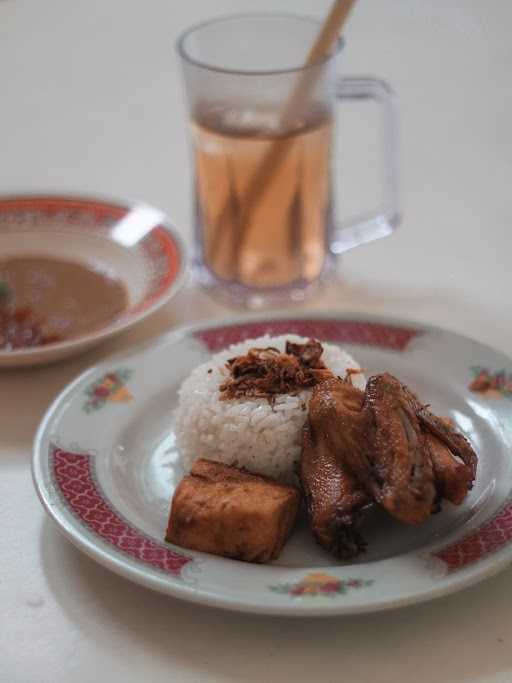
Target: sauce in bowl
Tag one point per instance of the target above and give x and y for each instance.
(44, 300)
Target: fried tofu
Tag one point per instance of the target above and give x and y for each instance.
(228, 511)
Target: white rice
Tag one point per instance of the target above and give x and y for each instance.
(247, 433)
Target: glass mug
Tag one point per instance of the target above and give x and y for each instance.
(262, 128)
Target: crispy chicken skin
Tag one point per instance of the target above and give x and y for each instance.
(336, 504)
(336, 409)
(398, 470)
(376, 438)
(391, 446)
(453, 478)
(453, 459)
(464, 458)
(227, 511)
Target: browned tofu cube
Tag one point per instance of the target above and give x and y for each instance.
(227, 511)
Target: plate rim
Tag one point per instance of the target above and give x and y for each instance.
(112, 559)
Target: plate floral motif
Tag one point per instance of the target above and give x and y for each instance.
(318, 584)
(492, 384)
(110, 387)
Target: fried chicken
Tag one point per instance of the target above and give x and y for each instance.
(397, 470)
(336, 504)
(453, 479)
(381, 445)
(376, 437)
(453, 459)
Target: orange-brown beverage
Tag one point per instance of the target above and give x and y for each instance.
(268, 238)
(262, 115)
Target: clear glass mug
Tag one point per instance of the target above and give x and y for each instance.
(262, 128)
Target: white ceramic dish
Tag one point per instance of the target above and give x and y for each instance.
(131, 241)
(105, 467)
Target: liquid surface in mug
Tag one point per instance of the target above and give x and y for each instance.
(267, 234)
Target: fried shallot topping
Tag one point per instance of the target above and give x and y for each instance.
(266, 373)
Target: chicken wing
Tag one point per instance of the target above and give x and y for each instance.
(400, 473)
(336, 504)
(453, 478)
(453, 458)
(381, 446)
(377, 438)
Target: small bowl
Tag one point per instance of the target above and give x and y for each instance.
(130, 240)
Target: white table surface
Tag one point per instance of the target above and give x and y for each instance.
(91, 101)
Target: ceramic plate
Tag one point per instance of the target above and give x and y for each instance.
(132, 242)
(105, 467)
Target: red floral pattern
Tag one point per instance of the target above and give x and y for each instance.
(78, 489)
(491, 383)
(109, 387)
(488, 539)
(318, 583)
(347, 331)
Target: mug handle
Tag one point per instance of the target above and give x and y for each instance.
(381, 223)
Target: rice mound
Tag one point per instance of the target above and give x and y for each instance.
(248, 433)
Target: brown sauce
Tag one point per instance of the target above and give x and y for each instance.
(43, 300)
